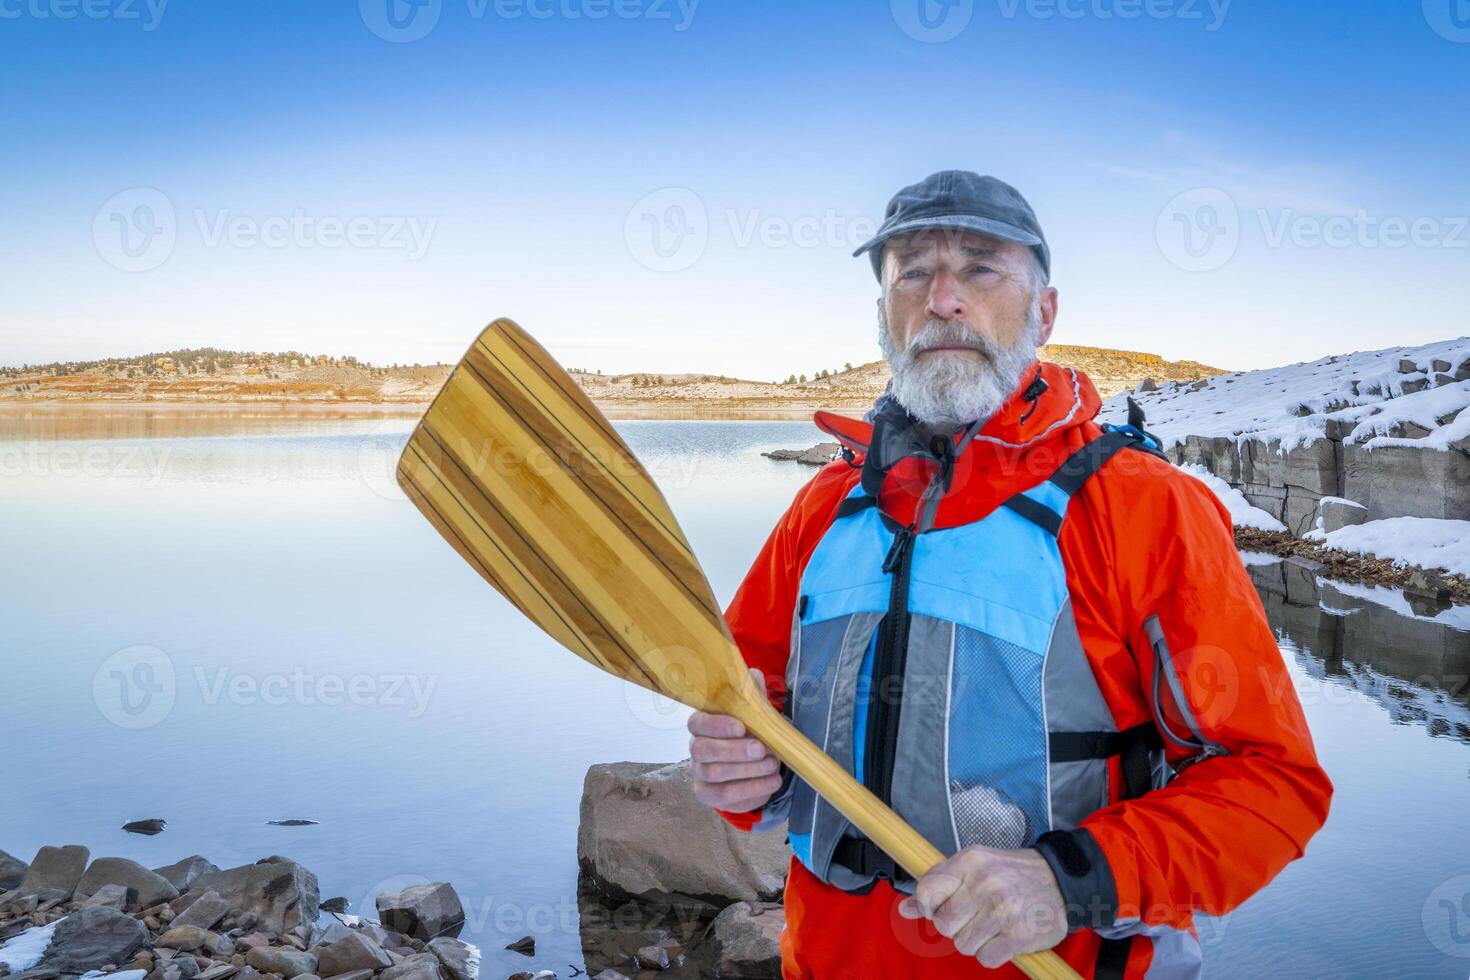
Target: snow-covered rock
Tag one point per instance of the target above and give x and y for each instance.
(1387, 429)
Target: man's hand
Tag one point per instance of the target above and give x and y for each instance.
(993, 903)
(732, 771)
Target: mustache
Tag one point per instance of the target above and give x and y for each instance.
(945, 333)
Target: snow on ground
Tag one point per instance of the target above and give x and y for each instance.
(1242, 512)
(119, 975)
(1428, 542)
(23, 951)
(1362, 393)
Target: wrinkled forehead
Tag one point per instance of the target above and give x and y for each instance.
(948, 241)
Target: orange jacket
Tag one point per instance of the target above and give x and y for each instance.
(1141, 538)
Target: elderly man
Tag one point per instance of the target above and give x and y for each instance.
(1027, 633)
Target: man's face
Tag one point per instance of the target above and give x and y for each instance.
(960, 318)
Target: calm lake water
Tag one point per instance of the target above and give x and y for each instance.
(231, 628)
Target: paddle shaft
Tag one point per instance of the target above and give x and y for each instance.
(882, 826)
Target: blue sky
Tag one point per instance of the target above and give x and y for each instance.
(1245, 184)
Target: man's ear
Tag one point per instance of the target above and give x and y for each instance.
(1048, 301)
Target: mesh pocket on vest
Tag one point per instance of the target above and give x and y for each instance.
(997, 743)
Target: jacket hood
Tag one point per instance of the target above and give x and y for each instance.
(1048, 416)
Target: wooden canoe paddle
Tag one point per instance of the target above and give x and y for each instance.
(521, 473)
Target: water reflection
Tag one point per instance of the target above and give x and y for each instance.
(1409, 654)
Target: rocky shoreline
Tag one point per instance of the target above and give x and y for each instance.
(67, 916)
(681, 896)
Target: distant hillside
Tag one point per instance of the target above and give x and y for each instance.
(210, 375)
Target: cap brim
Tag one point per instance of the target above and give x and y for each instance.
(952, 222)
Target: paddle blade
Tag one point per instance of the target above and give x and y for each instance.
(526, 479)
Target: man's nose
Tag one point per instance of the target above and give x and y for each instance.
(945, 300)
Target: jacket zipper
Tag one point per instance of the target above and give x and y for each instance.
(886, 696)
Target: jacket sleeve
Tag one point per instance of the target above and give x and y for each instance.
(760, 615)
(1242, 809)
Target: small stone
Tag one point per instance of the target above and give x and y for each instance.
(611, 974)
(352, 952)
(335, 904)
(218, 971)
(1147, 384)
(151, 921)
(237, 960)
(204, 911)
(287, 962)
(1439, 364)
(252, 940)
(167, 914)
(1440, 380)
(148, 827)
(1407, 366)
(112, 896)
(526, 945)
(1412, 385)
(185, 939)
(652, 957)
(354, 975)
(458, 960)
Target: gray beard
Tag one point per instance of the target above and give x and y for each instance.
(955, 391)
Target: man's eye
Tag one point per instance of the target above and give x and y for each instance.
(911, 274)
(978, 269)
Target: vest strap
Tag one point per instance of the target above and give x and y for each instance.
(861, 855)
(1039, 514)
(1132, 745)
(1078, 467)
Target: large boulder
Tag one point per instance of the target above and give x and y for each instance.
(281, 893)
(745, 942)
(12, 871)
(91, 937)
(55, 871)
(1397, 481)
(145, 887)
(643, 835)
(422, 911)
(181, 874)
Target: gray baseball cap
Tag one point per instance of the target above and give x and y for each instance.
(959, 200)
